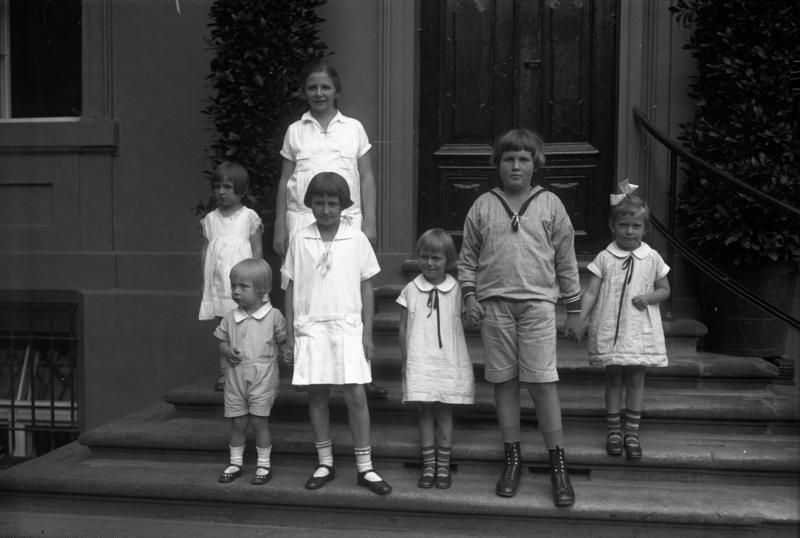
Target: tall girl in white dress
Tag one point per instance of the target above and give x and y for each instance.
(620, 307)
(329, 311)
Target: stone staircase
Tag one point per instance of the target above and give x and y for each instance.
(721, 458)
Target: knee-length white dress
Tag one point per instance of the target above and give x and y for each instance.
(438, 367)
(328, 331)
(619, 333)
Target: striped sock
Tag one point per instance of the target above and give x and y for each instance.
(443, 457)
(428, 456)
(325, 452)
(632, 419)
(363, 458)
(614, 423)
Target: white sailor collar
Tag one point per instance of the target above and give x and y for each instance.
(345, 231)
(240, 314)
(447, 284)
(338, 117)
(640, 253)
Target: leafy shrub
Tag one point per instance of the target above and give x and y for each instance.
(745, 123)
(260, 48)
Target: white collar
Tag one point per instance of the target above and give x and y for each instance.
(338, 117)
(446, 285)
(240, 314)
(345, 231)
(640, 253)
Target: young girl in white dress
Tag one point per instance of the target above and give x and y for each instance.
(620, 307)
(437, 371)
(232, 233)
(329, 311)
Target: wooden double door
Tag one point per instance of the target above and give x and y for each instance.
(490, 65)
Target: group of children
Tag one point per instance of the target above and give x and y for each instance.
(516, 262)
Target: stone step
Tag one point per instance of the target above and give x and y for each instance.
(688, 368)
(770, 409)
(70, 480)
(164, 434)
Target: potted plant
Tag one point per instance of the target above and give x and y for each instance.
(746, 124)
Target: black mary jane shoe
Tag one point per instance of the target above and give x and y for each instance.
(427, 478)
(261, 479)
(316, 482)
(614, 444)
(443, 480)
(633, 449)
(380, 487)
(226, 477)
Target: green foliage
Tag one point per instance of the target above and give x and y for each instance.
(745, 123)
(260, 49)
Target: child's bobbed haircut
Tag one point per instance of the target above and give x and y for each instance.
(519, 140)
(320, 66)
(331, 184)
(437, 240)
(629, 206)
(256, 271)
(233, 172)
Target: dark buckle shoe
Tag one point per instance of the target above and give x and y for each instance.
(563, 494)
(375, 392)
(508, 483)
(261, 479)
(443, 480)
(380, 487)
(316, 482)
(614, 444)
(427, 478)
(226, 477)
(633, 449)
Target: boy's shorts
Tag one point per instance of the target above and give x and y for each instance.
(250, 388)
(519, 339)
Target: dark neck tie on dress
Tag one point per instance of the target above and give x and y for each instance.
(433, 304)
(627, 265)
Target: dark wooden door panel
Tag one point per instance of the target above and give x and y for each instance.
(490, 65)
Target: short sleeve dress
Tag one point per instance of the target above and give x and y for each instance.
(327, 276)
(438, 366)
(619, 333)
(314, 150)
(228, 244)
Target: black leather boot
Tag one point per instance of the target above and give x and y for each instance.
(563, 494)
(509, 481)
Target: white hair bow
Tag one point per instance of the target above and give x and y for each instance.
(625, 188)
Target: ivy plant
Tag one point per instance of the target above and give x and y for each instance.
(259, 49)
(745, 123)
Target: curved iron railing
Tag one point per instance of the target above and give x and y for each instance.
(668, 231)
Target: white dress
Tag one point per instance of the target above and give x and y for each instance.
(438, 367)
(228, 244)
(626, 336)
(327, 276)
(312, 151)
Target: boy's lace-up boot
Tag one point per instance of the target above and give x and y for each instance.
(509, 481)
(563, 494)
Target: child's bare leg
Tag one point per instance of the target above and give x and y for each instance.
(357, 414)
(634, 386)
(239, 430)
(318, 411)
(548, 413)
(614, 383)
(444, 443)
(263, 449)
(427, 446)
(506, 400)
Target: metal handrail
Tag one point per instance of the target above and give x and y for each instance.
(668, 231)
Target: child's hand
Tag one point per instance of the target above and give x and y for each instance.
(234, 357)
(369, 346)
(573, 328)
(640, 302)
(286, 354)
(473, 311)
